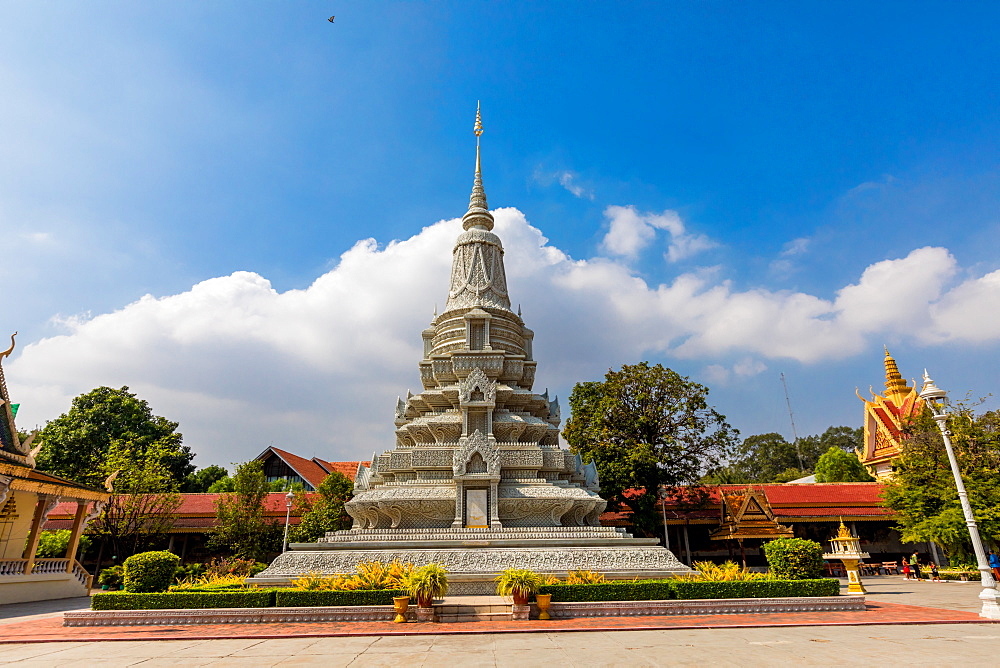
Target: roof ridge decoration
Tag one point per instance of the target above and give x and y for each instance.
(11, 445)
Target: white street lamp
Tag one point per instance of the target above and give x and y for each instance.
(288, 515)
(663, 507)
(937, 400)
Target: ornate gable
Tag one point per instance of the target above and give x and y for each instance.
(885, 421)
(478, 388)
(477, 456)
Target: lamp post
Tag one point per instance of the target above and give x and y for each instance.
(663, 507)
(937, 400)
(288, 516)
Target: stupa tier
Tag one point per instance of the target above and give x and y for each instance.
(477, 480)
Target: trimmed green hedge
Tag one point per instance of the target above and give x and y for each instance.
(148, 572)
(659, 590)
(953, 575)
(623, 590)
(794, 558)
(121, 600)
(755, 588)
(289, 598)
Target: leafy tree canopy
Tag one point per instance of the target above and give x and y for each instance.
(201, 480)
(835, 465)
(143, 500)
(325, 511)
(922, 490)
(646, 427)
(77, 443)
(240, 523)
(771, 458)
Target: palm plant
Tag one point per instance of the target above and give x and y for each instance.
(519, 583)
(427, 583)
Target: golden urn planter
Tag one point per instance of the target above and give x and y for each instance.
(400, 604)
(543, 601)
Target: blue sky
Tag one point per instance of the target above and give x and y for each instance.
(733, 189)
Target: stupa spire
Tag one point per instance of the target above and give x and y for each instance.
(478, 214)
(894, 383)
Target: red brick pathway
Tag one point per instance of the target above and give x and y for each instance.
(50, 629)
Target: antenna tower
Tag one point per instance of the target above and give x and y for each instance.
(791, 418)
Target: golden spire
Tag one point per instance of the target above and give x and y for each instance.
(894, 383)
(479, 212)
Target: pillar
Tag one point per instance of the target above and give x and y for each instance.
(36, 529)
(75, 533)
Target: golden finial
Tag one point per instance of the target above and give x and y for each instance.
(478, 129)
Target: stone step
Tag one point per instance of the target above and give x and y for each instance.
(460, 609)
(478, 617)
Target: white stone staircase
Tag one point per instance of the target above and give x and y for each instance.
(473, 609)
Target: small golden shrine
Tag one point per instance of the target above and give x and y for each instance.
(746, 513)
(885, 417)
(846, 547)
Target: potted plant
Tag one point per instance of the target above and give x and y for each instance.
(427, 583)
(519, 584)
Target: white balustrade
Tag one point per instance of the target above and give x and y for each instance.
(12, 566)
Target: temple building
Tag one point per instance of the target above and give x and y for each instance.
(477, 460)
(885, 420)
(27, 496)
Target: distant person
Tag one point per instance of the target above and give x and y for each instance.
(915, 566)
(934, 573)
(994, 561)
(906, 569)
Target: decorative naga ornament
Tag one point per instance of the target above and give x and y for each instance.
(885, 419)
(477, 457)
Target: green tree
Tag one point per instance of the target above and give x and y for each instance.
(922, 490)
(771, 458)
(838, 466)
(646, 427)
(201, 480)
(77, 443)
(240, 523)
(53, 544)
(323, 511)
(143, 500)
(222, 486)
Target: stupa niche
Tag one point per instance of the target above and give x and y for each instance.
(477, 454)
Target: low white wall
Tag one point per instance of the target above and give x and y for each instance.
(44, 587)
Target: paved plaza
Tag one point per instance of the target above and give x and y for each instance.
(770, 641)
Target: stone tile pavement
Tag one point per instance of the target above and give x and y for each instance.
(913, 645)
(944, 630)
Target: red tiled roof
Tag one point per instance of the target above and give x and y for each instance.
(315, 470)
(349, 469)
(811, 493)
(833, 511)
(193, 505)
(308, 469)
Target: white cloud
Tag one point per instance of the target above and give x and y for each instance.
(568, 181)
(242, 365)
(630, 231)
(796, 247)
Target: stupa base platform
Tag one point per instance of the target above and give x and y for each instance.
(474, 557)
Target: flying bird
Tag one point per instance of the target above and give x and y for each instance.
(330, 19)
